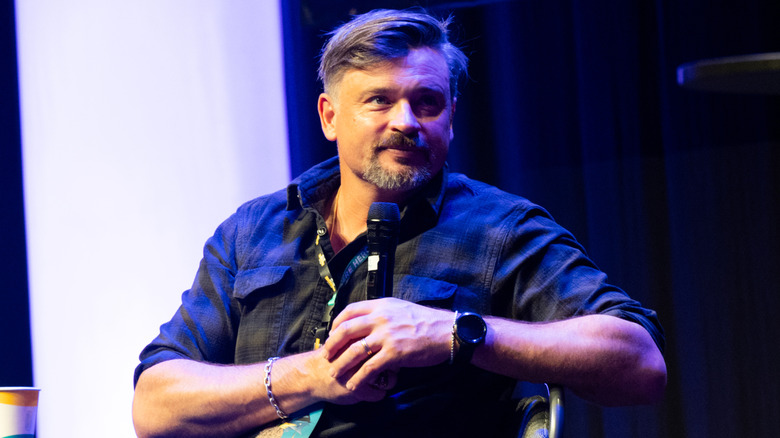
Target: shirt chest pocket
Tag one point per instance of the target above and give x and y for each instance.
(437, 293)
(261, 296)
(424, 290)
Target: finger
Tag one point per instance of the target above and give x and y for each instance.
(374, 373)
(353, 310)
(355, 321)
(341, 339)
(349, 331)
(365, 393)
(365, 308)
(370, 393)
(353, 357)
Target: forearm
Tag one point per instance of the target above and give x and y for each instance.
(188, 398)
(604, 359)
(184, 398)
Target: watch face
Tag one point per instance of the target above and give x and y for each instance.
(471, 328)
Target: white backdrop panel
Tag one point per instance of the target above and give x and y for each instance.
(145, 124)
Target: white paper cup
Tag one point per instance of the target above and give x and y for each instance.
(18, 410)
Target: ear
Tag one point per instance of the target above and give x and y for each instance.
(327, 110)
(452, 117)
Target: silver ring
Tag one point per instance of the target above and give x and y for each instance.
(366, 348)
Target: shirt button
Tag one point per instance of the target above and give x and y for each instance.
(321, 231)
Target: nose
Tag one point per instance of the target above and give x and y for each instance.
(404, 120)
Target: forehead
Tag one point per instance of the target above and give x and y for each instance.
(422, 68)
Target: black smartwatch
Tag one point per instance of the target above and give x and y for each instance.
(470, 330)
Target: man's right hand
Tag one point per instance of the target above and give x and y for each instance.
(187, 398)
(310, 372)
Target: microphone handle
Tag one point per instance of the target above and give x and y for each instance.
(382, 238)
(380, 274)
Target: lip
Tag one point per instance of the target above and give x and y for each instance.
(402, 148)
(405, 155)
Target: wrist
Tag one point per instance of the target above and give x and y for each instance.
(453, 338)
(468, 333)
(293, 383)
(267, 381)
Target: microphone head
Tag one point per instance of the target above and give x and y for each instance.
(384, 221)
(384, 211)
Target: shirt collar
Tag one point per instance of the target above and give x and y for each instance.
(314, 186)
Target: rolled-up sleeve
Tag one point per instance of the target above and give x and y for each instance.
(552, 278)
(204, 326)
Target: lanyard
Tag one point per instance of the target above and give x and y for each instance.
(303, 427)
(322, 265)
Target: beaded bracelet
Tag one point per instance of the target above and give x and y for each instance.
(270, 393)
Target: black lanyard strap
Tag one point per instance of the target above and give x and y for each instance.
(322, 264)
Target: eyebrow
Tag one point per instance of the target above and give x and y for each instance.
(375, 91)
(390, 91)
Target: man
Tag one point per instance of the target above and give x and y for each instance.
(403, 364)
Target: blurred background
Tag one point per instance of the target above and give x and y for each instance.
(129, 131)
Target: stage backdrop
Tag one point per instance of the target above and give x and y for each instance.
(144, 125)
(674, 193)
(573, 104)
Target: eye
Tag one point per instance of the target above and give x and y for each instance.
(429, 100)
(379, 100)
(430, 104)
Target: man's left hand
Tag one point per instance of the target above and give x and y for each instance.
(379, 337)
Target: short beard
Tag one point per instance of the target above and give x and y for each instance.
(409, 178)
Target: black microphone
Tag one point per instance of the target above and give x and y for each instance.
(383, 224)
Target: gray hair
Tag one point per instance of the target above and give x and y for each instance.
(382, 35)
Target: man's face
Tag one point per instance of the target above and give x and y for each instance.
(392, 122)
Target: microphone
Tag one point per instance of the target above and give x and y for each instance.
(382, 235)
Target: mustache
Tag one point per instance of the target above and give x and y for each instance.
(397, 139)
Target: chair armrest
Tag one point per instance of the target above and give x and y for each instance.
(556, 410)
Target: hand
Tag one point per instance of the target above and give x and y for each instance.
(397, 334)
(313, 368)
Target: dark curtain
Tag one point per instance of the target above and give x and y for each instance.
(674, 193)
(15, 349)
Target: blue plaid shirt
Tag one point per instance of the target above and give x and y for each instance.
(463, 245)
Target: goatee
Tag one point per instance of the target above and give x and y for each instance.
(410, 176)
